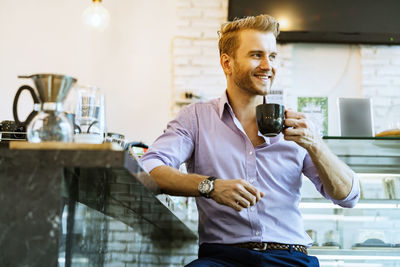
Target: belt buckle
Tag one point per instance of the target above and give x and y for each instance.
(261, 249)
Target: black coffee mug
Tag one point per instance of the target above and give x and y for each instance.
(270, 119)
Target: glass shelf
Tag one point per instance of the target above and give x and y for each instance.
(367, 154)
(367, 146)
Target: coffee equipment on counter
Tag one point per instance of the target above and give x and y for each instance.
(47, 122)
(90, 122)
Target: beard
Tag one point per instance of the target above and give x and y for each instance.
(247, 80)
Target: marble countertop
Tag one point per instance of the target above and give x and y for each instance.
(127, 187)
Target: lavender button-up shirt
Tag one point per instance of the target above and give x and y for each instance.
(210, 139)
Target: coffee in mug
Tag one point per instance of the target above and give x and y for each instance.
(270, 119)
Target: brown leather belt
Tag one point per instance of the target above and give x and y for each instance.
(261, 246)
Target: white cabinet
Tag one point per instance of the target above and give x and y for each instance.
(369, 234)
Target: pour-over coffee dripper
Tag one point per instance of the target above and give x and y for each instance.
(47, 122)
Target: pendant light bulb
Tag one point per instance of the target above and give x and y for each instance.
(96, 16)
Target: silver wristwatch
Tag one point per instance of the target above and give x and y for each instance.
(207, 186)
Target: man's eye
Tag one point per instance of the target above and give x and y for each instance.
(257, 55)
(272, 57)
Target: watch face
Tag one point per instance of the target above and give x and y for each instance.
(204, 187)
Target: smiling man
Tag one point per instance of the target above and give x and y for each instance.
(247, 185)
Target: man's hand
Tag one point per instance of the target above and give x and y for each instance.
(302, 131)
(237, 194)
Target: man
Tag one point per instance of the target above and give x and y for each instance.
(247, 185)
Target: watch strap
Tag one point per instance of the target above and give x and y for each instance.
(212, 178)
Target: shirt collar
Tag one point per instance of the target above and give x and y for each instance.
(223, 101)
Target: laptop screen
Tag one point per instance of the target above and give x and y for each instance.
(355, 115)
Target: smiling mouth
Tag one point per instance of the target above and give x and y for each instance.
(263, 77)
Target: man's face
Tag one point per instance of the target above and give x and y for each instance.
(255, 62)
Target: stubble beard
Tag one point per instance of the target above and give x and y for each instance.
(244, 80)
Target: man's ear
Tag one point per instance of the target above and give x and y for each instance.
(226, 63)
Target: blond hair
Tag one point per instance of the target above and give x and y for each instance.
(229, 37)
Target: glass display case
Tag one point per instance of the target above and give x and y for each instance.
(369, 233)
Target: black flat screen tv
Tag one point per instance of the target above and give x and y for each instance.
(328, 21)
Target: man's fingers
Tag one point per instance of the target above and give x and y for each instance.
(294, 115)
(291, 122)
(249, 197)
(243, 202)
(253, 190)
(237, 194)
(296, 123)
(236, 205)
(294, 131)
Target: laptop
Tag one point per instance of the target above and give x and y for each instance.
(356, 117)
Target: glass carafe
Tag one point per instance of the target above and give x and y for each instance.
(50, 124)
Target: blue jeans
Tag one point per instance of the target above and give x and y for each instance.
(217, 255)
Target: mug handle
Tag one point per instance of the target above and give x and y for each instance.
(15, 105)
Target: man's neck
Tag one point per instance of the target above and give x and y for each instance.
(243, 104)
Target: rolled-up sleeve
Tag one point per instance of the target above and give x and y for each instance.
(175, 146)
(352, 198)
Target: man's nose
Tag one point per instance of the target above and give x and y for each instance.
(265, 64)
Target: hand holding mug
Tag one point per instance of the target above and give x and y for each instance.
(299, 129)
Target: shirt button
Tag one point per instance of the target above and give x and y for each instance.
(257, 233)
(251, 152)
(251, 180)
(252, 209)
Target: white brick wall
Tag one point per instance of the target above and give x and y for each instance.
(283, 80)
(195, 49)
(381, 81)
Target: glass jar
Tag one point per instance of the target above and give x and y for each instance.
(90, 115)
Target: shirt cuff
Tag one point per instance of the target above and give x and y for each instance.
(149, 164)
(352, 198)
